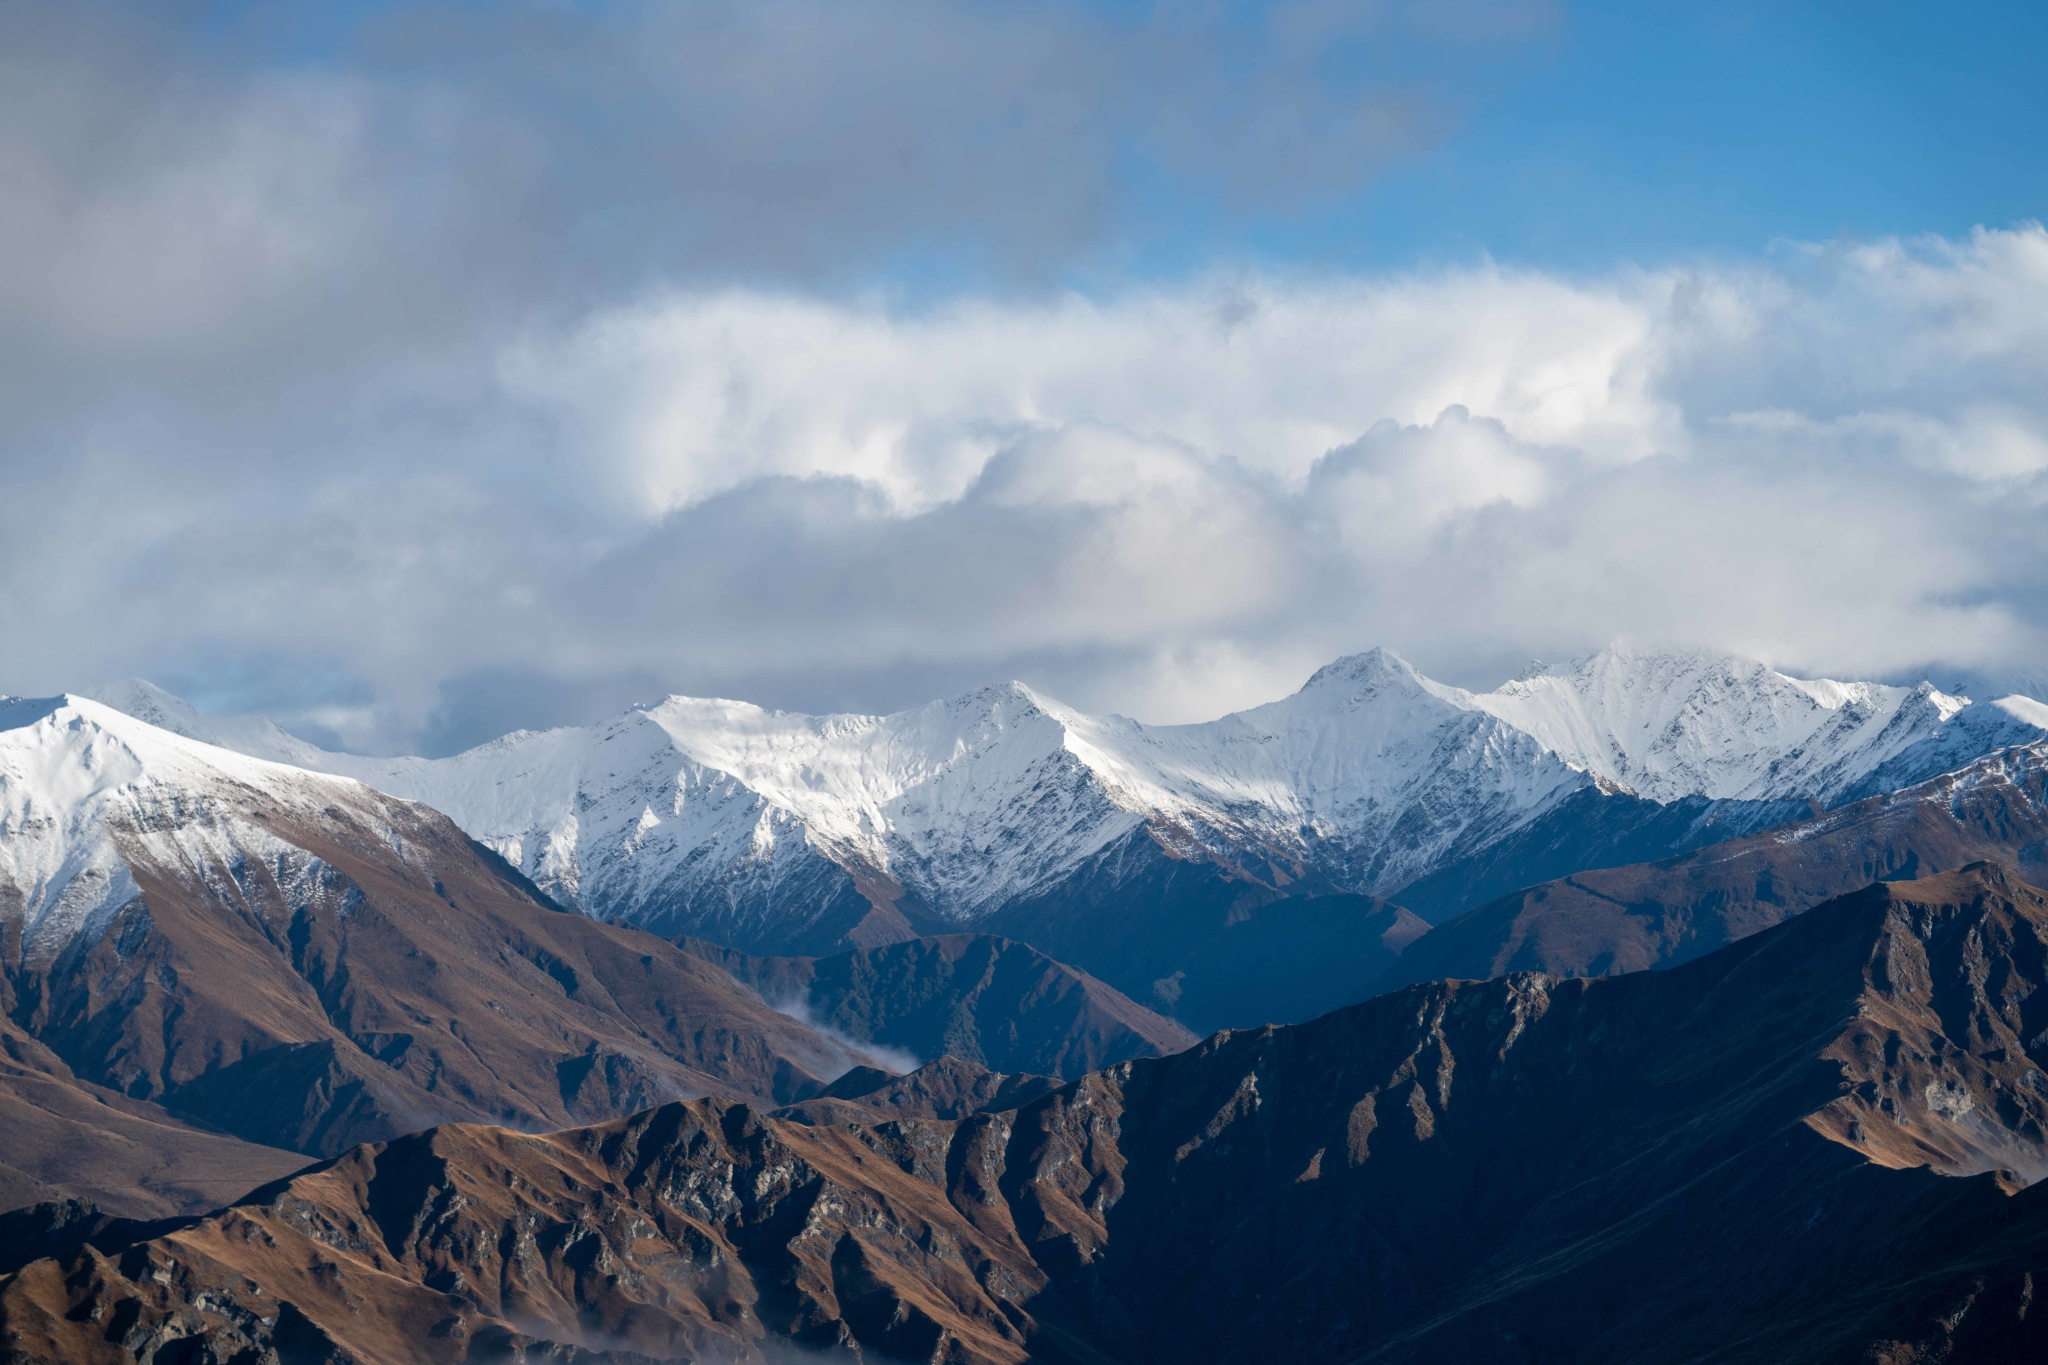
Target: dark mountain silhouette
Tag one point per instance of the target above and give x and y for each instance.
(944, 1089)
(1624, 919)
(1811, 1145)
(1209, 942)
(980, 998)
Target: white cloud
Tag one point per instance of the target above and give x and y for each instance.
(688, 395)
(267, 434)
(1168, 502)
(1831, 459)
(1992, 445)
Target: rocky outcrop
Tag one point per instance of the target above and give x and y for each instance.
(1812, 1145)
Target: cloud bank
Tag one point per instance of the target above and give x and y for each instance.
(1168, 503)
(440, 389)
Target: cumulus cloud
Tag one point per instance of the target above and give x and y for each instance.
(1474, 465)
(413, 398)
(689, 395)
(1170, 503)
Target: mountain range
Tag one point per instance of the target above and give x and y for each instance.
(1153, 857)
(213, 965)
(1814, 1144)
(714, 1033)
(1603, 921)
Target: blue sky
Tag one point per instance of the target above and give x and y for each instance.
(1571, 135)
(1603, 133)
(1645, 132)
(413, 372)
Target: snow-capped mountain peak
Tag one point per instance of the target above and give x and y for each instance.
(1368, 672)
(257, 736)
(1368, 777)
(1669, 722)
(86, 790)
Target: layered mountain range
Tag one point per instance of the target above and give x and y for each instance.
(560, 1104)
(213, 965)
(975, 997)
(1814, 1144)
(1151, 855)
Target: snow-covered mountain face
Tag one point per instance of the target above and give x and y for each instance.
(1668, 724)
(723, 818)
(87, 792)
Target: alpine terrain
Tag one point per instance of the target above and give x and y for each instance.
(974, 997)
(1817, 1144)
(210, 963)
(1149, 855)
(1623, 919)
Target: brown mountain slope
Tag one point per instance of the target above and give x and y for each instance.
(1704, 1163)
(311, 976)
(63, 1138)
(988, 1000)
(1625, 919)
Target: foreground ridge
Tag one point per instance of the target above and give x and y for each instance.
(1814, 1144)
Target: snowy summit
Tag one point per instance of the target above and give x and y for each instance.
(690, 811)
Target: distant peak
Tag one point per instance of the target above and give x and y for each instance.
(1373, 668)
(1012, 692)
(685, 702)
(144, 700)
(1627, 649)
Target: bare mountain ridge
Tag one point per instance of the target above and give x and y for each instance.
(68, 1139)
(1623, 919)
(1808, 1145)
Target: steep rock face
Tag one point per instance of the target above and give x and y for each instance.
(975, 997)
(774, 832)
(692, 1231)
(1591, 828)
(307, 963)
(1711, 1162)
(1624, 919)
